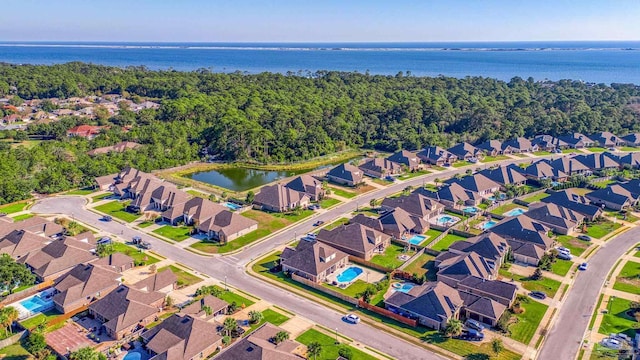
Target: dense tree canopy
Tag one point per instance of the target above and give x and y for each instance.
(279, 118)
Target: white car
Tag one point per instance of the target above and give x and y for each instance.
(352, 318)
(562, 249)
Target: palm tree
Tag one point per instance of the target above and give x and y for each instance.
(454, 327)
(280, 337)
(255, 316)
(229, 325)
(314, 349)
(8, 315)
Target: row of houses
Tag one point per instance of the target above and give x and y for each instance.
(149, 193)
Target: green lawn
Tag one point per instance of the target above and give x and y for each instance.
(230, 296)
(628, 280)
(390, 257)
(495, 158)
(581, 191)
(197, 193)
(22, 217)
(460, 163)
(15, 352)
(411, 175)
(117, 210)
(546, 285)
(382, 182)
(575, 245)
(328, 202)
(175, 233)
(353, 290)
(185, 278)
(528, 321)
(139, 257)
(561, 267)
(597, 149)
(100, 197)
(629, 148)
(146, 224)
(337, 223)
(535, 198)
(603, 353)
(329, 347)
(601, 229)
(294, 217)
(366, 211)
(542, 153)
(431, 234)
(342, 193)
(616, 320)
(13, 208)
(446, 241)
(423, 264)
(41, 318)
(620, 216)
(505, 208)
(274, 317)
(84, 191)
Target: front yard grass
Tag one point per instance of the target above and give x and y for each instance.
(575, 245)
(629, 148)
(22, 217)
(628, 217)
(528, 321)
(542, 153)
(100, 197)
(230, 297)
(329, 348)
(535, 198)
(15, 352)
(628, 280)
(335, 224)
(382, 182)
(561, 267)
(390, 257)
(274, 317)
(175, 233)
(490, 158)
(342, 193)
(597, 149)
(139, 257)
(617, 320)
(13, 208)
(423, 264)
(546, 285)
(460, 163)
(601, 229)
(83, 191)
(411, 175)
(446, 241)
(117, 210)
(328, 202)
(146, 224)
(185, 278)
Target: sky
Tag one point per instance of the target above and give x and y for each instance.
(319, 20)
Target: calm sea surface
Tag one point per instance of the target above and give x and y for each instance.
(600, 62)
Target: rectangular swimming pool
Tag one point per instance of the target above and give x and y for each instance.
(34, 304)
(349, 274)
(417, 239)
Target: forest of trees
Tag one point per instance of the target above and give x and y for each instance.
(278, 118)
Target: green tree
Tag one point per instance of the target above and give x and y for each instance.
(35, 342)
(497, 345)
(345, 352)
(314, 349)
(87, 353)
(250, 197)
(229, 325)
(13, 274)
(280, 337)
(104, 250)
(255, 316)
(453, 328)
(207, 310)
(8, 315)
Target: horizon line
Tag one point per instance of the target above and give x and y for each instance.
(309, 42)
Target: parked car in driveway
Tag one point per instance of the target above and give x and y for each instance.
(104, 240)
(352, 318)
(475, 325)
(538, 295)
(583, 266)
(584, 237)
(565, 256)
(562, 249)
(471, 335)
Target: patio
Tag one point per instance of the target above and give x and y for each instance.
(367, 275)
(69, 338)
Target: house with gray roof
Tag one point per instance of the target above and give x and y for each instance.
(356, 240)
(490, 246)
(308, 185)
(633, 186)
(477, 183)
(560, 219)
(631, 160)
(491, 147)
(406, 158)
(632, 139)
(435, 155)
(162, 282)
(607, 139)
(499, 291)
(415, 204)
(400, 224)
(452, 270)
(345, 174)
(597, 162)
(452, 195)
(82, 285)
(528, 238)
(226, 226)
(379, 168)
(569, 166)
(505, 175)
(576, 140)
(548, 143)
(259, 345)
(313, 260)
(520, 145)
(579, 203)
(465, 151)
(181, 337)
(614, 197)
(542, 169)
(279, 198)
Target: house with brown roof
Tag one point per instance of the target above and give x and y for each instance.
(560, 219)
(58, 257)
(125, 311)
(279, 198)
(104, 182)
(520, 145)
(415, 204)
(86, 131)
(82, 285)
(181, 337)
(118, 148)
(407, 159)
(576, 140)
(505, 175)
(260, 345)
(356, 240)
(632, 139)
(614, 197)
(400, 224)
(162, 282)
(477, 183)
(569, 199)
(117, 262)
(19, 243)
(226, 226)
(206, 307)
(598, 162)
(453, 269)
(147, 191)
(435, 155)
(491, 147)
(607, 139)
(35, 225)
(379, 168)
(491, 246)
(313, 260)
(309, 185)
(453, 195)
(345, 174)
(542, 169)
(569, 166)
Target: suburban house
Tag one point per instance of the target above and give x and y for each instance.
(505, 175)
(548, 143)
(162, 282)
(406, 158)
(569, 166)
(491, 246)
(433, 304)
(632, 139)
(435, 155)
(597, 162)
(454, 195)
(477, 183)
(19, 243)
(631, 159)
(206, 307)
(58, 257)
(194, 210)
(379, 168)
(520, 145)
(614, 197)
(279, 198)
(633, 186)
(486, 301)
(104, 182)
(399, 223)
(345, 174)
(453, 267)
(119, 147)
(309, 185)
(117, 262)
(560, 219)
(491, 147)
(226, 226)
(356, 240)
(465, 151)
(576, 141)
(313, 260)
(579, 203)
(82, 285)
(147, 191)
(607, 139)
(542, 169)
(125, 311)
(181, 337)
(259, 345)
(35, 225)
(528, 239)
(86, 131)
(415, 204)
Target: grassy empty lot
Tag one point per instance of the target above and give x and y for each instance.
(13, 208)
(628, 280)
(175, 233)
(185, 278)
(342, 193)
(83, 191)
(117, 210)
(328, 202)
(139, 257)
(390, 257)
(528, 321)
(506, 207)
(617, 320)
(601, 229)
(230, 296)
(535, 198)
(423, 264)
(329, 347)
(575, 245)
(446, 241)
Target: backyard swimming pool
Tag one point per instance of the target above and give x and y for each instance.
(417, 239)
(515, 212)
(501, 197)
(445, 220)
(470, 210)
(33, 305)
(132, 355)
(404, 287)
(232, 206)
(349, 274)
(488, 224)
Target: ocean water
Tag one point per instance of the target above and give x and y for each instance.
(599, 62)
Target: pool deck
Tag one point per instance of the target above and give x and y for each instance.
(373, 275)
(437, 221)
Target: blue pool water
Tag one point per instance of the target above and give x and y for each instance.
(417, 239)
(405, 287)
(555, 183)
(502, 197)
(470, 210)
(34, 304)
(232, 206)
(349, 274)
(515, 212)
(488, 224)
(132, 355)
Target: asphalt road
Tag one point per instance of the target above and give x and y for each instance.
(565, 338)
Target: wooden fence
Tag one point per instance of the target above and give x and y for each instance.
(369, 264)
(324, 289)
(387, 313)
(11, 298)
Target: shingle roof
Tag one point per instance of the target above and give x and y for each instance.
(569, 199)
(279, 196)
(185, 335)
(433, 300)
(415, 204)
(488, 245)
(568, 165)
(555, 215)
(469, 264)
(157, 281)
(461, 150)
(83, 281)
(405, 157)
(380, 165)
(312, 257)
(355, 237)
(482, 305)
(435, 154)
(57, 256)
(597, 161)
(258, 346)
(114, 261)
(519, 143)
(347, 172)
(453, 193)
(19, 243)
(542, 169)
(476, 182)
(125, 306)
(494, 287)
(227, 222)
(525, 229)
(615, 194)
(505, 175)
(491, 145)
(306, 184)
(196, 307)
(400, 221)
